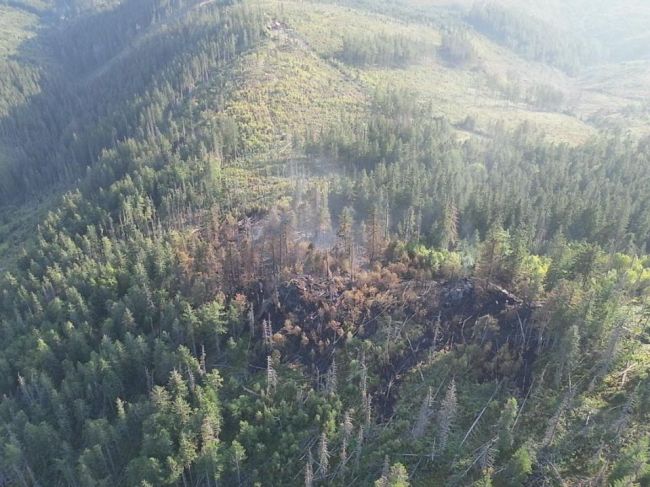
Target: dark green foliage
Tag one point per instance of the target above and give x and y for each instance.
(457, 48)
(530, 37)
(378, 49)
(633, 466)
(83, 110)
(518, 468)
(412, 165)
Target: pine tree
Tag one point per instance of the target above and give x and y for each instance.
(345, 235)
(324, 219)
(633, 465)
(397, 476)
(492, 258)
(323, 455)
(331, 379)
(449, 238)
(309, 470)
(567, 353)
(446, 416)
(385, 472)
(348, 428)
(374, 235)
(485, 480)
(424, 416)
(504, 428)
(238, 456)
(518, 468)
(271, 375)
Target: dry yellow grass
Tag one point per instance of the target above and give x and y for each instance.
(16, 27)
(483, 90)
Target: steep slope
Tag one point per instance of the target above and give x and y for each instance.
(494, 86)
(22, 78)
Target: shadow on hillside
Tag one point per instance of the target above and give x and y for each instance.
(54, 135)
(31, 131)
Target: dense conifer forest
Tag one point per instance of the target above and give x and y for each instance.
(266, 243)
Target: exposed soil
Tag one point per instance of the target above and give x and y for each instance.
(311, 316)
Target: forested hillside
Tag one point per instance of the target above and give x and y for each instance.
(278, 243)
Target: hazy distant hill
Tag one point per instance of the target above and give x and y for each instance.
(500, 80)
